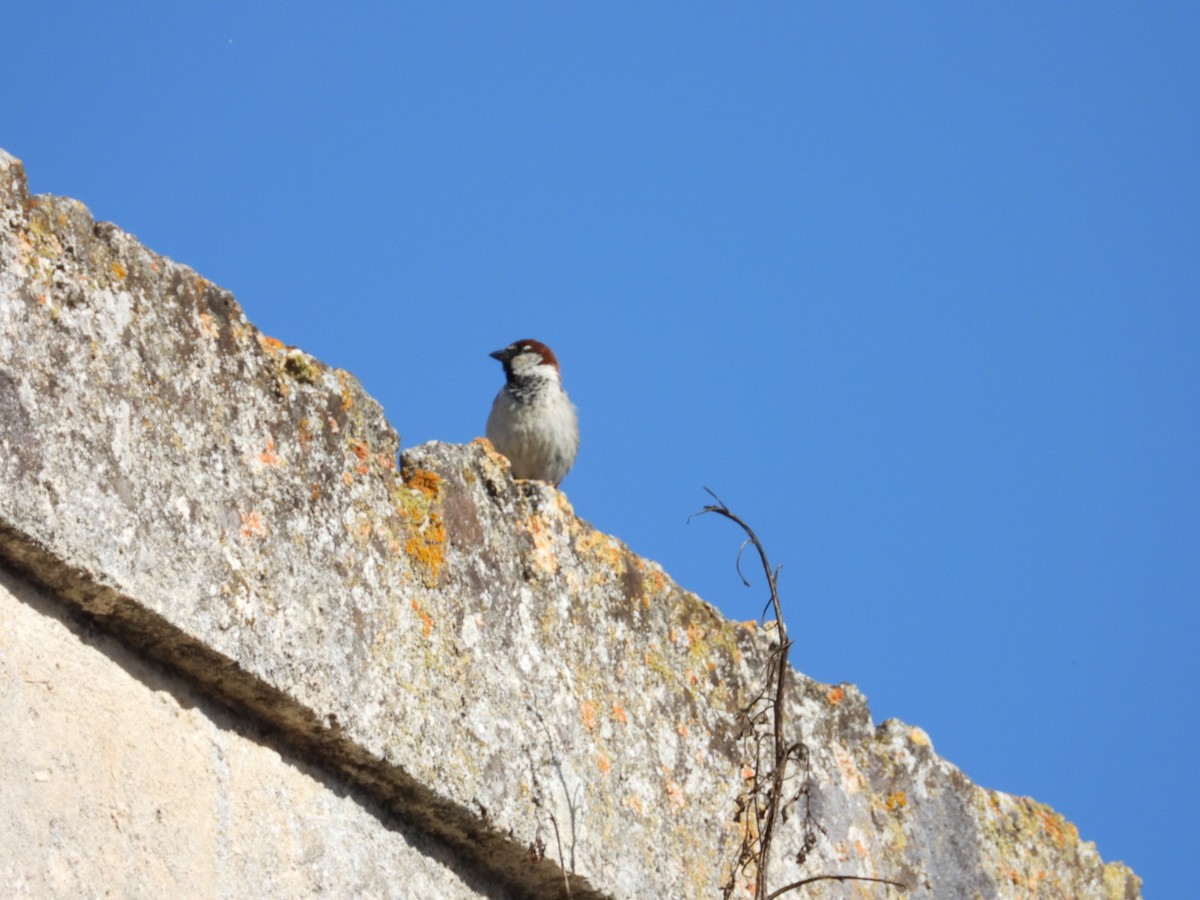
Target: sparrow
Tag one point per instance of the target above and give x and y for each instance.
(533, 421)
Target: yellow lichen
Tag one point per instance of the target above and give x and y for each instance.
(345, 380)
(302, 367)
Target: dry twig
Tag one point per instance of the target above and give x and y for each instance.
(770, 755)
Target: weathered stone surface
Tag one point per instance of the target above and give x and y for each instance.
(503, 678)
(120, 781)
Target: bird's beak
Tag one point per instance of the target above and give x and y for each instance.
(498, 354)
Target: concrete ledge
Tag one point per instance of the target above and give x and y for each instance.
(514, 686)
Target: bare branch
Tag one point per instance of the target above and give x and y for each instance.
(761, 729)
(802, 882)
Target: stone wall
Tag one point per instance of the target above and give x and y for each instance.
(349, 675)
(123, 781)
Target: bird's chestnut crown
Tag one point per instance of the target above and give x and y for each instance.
(524, 355)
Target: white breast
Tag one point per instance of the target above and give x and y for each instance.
(539, 434)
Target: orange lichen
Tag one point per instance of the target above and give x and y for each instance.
(347, 479)
(252, 525)
(634, 802)
(1054, 825)
(896, 800)
(490, 451)
(271, 345)
(675, 795)
(682, 729)
(545, 559)
(852, 778)
(587, 710)
(834, 695)
(598, 544)
(426, 618)
(426, 541)
(119, 270)
(618, 713)
(658, 581)
(1031, 885)
(207, 326)
(428, 483)
(747, 773)
(268, 457)
(363, 453)
(427, 547)
(603, 763)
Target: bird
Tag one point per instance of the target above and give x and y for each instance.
(533, 422)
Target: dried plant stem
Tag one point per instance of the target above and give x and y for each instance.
(763, 799)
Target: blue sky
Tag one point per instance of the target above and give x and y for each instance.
(913, 287)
